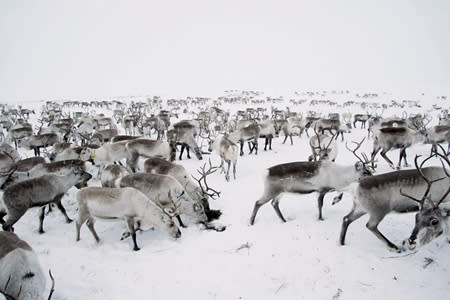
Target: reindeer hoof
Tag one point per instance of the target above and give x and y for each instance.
(41, 231)
(136, 249)
(68, 221)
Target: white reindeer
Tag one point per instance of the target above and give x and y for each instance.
(125, 203)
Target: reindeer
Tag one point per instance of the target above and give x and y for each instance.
(250, 132)
(21, 275)
(362, 118)
(398, 138)
(291, 126)
(125, 203)
(200, 193)
(36, 142)
(228, 152)
(184, 133)
(268, 131)
(148, 148)
(304, 178)
(156, 187)
(333, 125)
(323, 147)
(39, 191)
(396, 191)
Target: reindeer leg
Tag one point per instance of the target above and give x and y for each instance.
(266, 142)
(90, 224)
(234, 170)
(242, 147)
(404, 157)
(383, 154)
(130, 224)
(83, 215)
(372, 225)
(41, 220)
(356, 213)
(285, 138)
(320, 202)
(181, 222)
(276, 206)
(227, 176)
(57, 200)
(268, 195)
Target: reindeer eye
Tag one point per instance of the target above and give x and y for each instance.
(434, 221)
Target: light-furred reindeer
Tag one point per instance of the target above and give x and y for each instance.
(157, 187)
(148, 148)
(396, 191)
(306, 177)
(21, 275)
(126, 203)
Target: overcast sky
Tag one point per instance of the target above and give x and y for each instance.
(75, 48)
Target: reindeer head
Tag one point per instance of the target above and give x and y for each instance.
(431, 220)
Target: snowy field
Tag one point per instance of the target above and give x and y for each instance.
(300, 259)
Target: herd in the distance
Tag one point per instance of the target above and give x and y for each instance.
(141, 184)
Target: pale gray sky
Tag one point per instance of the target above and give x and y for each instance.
(96, 48)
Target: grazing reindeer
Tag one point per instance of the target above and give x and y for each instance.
(156, 187)
(199, 194)
(248, 133)
(304, 178)
(124, 203)
(379, 195)
(148, 148)
(401, 138)
(431, 221)
(39, 191)
(323, 147)
(21, 275)
(184, 133)
(228, 152)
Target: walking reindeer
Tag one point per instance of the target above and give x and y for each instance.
(398, 191)
(306, 177)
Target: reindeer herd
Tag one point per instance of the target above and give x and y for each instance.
(142, 184)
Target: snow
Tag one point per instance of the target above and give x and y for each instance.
(300, 259)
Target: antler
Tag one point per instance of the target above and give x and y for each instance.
(9, 296)
(203, 174)
(364, 160)
(429, 184)
(175, 205)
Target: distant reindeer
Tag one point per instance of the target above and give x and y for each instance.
(401, 138)
(228, 152)
(184, 133)
(249, 133)
(396, 191)
(362, 118)
(148, 148)
(438, 134)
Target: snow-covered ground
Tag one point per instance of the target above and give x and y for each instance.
(300, 259)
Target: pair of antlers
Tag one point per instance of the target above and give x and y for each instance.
(365, 159)
(203, 172)
(11, 297)
(426, 195)
(175, 209)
